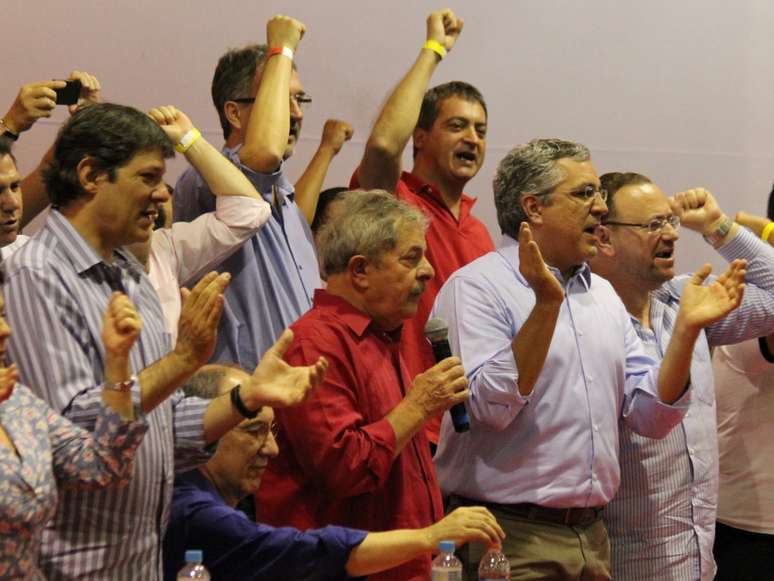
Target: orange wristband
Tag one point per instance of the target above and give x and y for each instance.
(283, 50)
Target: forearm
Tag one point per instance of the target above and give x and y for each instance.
(530, 345)
(395, 124)
(161, 379)
(34, 192)
(406, 420)
(674, 373)
(222, 177)
(219, 418)
(310, 183)
(381, 551)
(117, 370)
(269, 127)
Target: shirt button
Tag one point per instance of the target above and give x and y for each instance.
(580, 333)
(596, 428)
(690, 451)
(590, 378)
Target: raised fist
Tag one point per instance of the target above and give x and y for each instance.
(284, 31)
(444, 26)
(335, 133)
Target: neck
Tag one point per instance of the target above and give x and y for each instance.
(234, 139)
(450, 190)
(636, 299)
(230, 496)
(88, 228)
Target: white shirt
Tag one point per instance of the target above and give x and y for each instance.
(6, 250)
(181, 254)
(744, 382)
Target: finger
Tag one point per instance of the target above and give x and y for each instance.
(460, 397)
(282, 344)
(52, 84)
(701, 275)
(198, 290)
(446, 364)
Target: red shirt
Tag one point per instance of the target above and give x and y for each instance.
(336, 461)
(451, 244)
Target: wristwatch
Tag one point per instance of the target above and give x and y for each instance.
(720, 233)
(6, 132)
(121, 386)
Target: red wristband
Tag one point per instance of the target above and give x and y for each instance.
(284, 50)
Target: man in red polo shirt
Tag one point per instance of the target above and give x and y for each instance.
(449, 132)
(355, 453)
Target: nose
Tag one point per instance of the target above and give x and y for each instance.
(10, 201)
(598, 205)
(669, 232)
(296, 112)
(270, 447)
(425, 270)
(161, 193)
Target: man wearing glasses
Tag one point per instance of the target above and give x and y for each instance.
(554, 364)
(259, 98)
(662, 521)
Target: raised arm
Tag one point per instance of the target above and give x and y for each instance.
(222, 177)
(380, 167)
(308, 186)
(36, 101)
(269, 125)
(700, 305)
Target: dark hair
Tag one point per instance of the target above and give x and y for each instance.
(107, 133)
(770, 209)
(233, 77)
(6, 148)
(614, 181)
(431, 102)
(323, 201)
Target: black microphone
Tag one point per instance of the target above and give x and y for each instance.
(437, 332)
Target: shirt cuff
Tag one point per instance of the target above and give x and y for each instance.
(380, 460)
(744, 245)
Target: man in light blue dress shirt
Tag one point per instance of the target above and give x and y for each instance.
(259, 98)
(662, 522)
(554, 363)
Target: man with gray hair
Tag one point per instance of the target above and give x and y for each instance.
(356, 454)
(553, 363)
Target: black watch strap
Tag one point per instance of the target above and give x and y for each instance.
(239, 405)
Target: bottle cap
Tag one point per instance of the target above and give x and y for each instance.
(446, 546)
(194, 556)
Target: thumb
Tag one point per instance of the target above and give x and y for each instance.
(701, 275)
(283, 343)
(184, 294)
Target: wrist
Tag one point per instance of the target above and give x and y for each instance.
(249, 394)
(435, 47)
(183, 360)
(718, 231)
(685, 330)
(188, 140)
(9, 128)
(117, 368)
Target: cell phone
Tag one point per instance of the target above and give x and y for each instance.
(69, 94)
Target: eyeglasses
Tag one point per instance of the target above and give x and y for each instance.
(585, 195)
(654, 226)
(300, 100)
(260, 431)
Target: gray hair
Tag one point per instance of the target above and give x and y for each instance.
(206, 383)
(530, 169)
(363, 223)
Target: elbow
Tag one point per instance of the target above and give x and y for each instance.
(261, 159)
(382, 148)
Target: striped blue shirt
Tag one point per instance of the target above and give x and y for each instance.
(273, 275)
(55, 297)
(662, 521)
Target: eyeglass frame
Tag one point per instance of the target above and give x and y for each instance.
(260, 430)
(302, 100)
(583, 197)
(673, 220)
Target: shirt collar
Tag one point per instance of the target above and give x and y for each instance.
(509, 249)
(426, 190)
(355, 319)
(81, 254)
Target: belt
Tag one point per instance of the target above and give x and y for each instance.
(563, 516)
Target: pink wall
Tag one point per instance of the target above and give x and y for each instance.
(681, 91)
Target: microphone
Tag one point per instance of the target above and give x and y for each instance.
(437, 332)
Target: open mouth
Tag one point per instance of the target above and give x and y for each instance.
(591, 229)
(151, 215)
(665, 254)
(466, 156)
(10, 224)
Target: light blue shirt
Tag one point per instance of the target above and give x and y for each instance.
(274, 274)
(662, 522)
(558, 447)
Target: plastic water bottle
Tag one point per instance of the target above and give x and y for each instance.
(446, 567)
(193, 567)
(495, 566)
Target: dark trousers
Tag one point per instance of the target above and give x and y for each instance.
(742, 555)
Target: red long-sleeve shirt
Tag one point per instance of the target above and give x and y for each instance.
(336, 462)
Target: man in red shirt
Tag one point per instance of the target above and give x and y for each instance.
(449, 132)
(355, 454)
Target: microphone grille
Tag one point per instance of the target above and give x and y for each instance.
(436, 329)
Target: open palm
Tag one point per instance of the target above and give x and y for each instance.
(277, 384)
(702, 305)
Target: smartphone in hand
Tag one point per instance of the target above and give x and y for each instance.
(69, 94)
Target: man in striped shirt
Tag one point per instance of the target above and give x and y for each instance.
(662, 521)
(106, 185)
